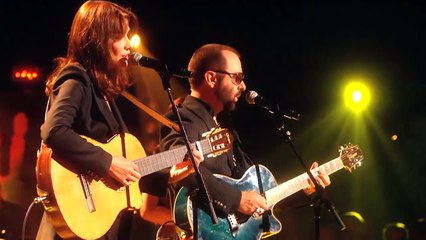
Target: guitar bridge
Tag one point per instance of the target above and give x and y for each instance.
(87, 193)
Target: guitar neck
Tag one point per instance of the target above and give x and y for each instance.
(300, 182)
(156, 162)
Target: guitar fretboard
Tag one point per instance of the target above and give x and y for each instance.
(154, 163)
(288, 188)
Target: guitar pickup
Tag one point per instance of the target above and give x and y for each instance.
(233, 224)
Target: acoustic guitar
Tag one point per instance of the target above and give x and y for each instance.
(80, 206)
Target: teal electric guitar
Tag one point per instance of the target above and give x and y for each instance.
(243, 227)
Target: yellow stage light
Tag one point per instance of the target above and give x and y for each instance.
(357, 96)
(135, 41)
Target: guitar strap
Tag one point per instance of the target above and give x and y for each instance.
(162, 119)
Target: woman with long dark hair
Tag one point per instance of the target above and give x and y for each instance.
(82, 89)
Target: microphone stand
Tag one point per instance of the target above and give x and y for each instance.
(165, 76)
(321, 197)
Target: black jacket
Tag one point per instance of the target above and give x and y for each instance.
(197, 119)
(79, 108)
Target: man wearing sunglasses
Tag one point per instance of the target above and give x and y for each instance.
(216, 82)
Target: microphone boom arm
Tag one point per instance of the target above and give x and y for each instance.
(253, 97)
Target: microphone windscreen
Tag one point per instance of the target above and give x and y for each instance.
(135, 57)
(251, 97)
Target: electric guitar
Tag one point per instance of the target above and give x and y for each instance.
(80, 206)
(243, 227)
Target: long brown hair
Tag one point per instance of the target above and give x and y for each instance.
(95, 24)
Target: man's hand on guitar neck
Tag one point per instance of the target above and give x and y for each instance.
(252, 202)
(123, 170)
(322, 179)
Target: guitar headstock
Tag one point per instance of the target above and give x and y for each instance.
(220, 141)
(351, 156)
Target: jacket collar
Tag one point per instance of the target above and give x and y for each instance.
(200, 109)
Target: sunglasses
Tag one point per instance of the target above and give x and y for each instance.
(236, 78)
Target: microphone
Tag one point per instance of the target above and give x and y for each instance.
(254, 98)
(157, 65)
(148, 62)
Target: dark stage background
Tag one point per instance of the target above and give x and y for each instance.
(298, 55)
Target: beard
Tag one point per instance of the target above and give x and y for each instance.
(229, 106)
(226, 99)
